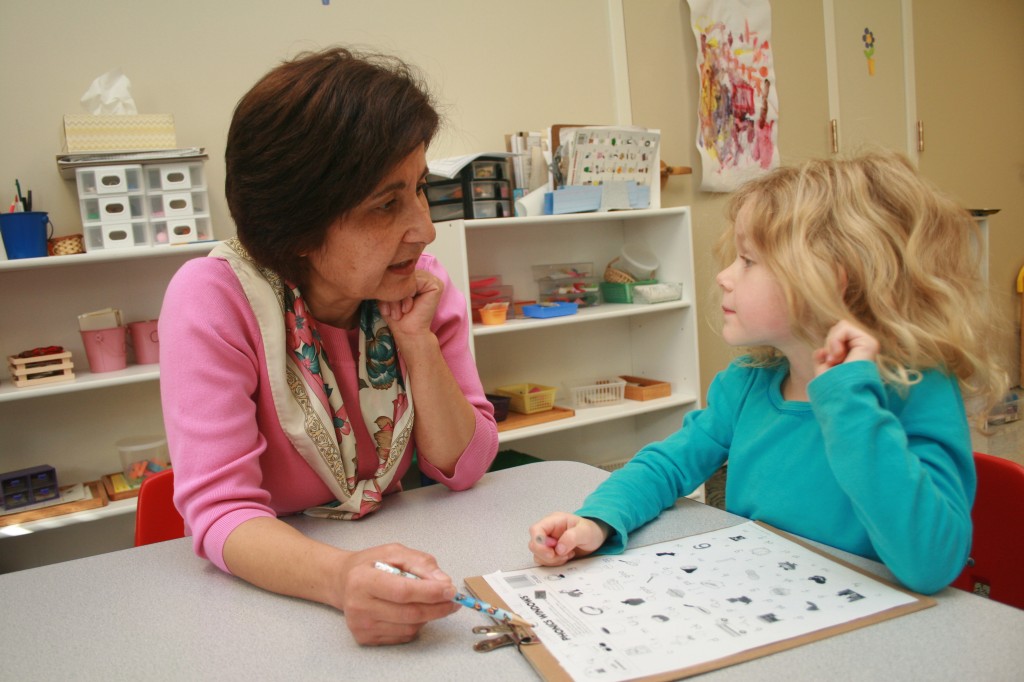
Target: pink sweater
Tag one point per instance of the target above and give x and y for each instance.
(232, 461)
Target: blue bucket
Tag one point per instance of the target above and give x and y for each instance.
(24, 234)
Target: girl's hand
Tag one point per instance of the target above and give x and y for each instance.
(559, 537)
(845, 342)
(412, 315)
(382, 608)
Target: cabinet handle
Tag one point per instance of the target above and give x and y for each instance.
(834, 126)
(920, 136)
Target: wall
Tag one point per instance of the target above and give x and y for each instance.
(492, 69)
(969, 65)
(970, 86)
(662, 55)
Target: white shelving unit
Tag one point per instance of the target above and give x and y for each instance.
(73, 426)
(653, 341)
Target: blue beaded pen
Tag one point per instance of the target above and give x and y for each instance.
(463, 599)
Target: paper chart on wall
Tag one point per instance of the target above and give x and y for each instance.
(686, 604)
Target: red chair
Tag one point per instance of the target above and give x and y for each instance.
(995, 568)
(157, 519)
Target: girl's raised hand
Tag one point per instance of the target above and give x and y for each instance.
(559, 537)
(845, 342)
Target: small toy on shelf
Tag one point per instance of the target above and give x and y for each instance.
(43, 365)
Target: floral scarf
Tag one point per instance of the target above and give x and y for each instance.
(308, 402)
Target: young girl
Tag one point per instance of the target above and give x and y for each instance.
(855, 287)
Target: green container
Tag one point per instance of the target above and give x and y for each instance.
(620, 292)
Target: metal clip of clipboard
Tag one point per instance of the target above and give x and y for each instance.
(501, 635)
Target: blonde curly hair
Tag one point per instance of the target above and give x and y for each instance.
(868, 239)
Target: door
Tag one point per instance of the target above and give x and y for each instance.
(870, 75)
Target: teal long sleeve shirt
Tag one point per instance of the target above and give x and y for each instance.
(859, 467)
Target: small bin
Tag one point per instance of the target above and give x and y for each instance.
(584, 292)
(490, 190)
(501, 404)
(442, 212)
(143, 456)
(108, 179)
(492, 209)
(640, 388)
(621, 292)
(488, 170)
(596, 392)
(529, 398)
(175, 176)
(660, 292)
(542, 310)
(448, 192)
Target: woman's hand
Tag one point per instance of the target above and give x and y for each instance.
(559, 537)
(382, 608)
(845, 342)
(412, 315)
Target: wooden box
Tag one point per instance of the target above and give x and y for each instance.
(639, 388)
(42, 369)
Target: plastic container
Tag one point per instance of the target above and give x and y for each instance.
(492, 209)
(584, 291)
(442, 212)
(638, 260)
(542, 310)
(143, 456)
(658, 293)
(621, 292)
(501, 404)
(108, 179)
(596, 392)
(529, 398)
(494, 313)
(174, 176)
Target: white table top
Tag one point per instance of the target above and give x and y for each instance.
(160, 613)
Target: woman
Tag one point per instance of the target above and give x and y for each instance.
(305, 360)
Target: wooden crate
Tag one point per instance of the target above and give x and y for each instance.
(42, 369)
(639, 388)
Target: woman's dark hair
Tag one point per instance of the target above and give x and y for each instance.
(311, 140)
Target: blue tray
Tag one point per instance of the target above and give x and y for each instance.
(550, 310)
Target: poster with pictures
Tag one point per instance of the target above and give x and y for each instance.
(738, 103)
(681, 605)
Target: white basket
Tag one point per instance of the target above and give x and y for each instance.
(597, 392)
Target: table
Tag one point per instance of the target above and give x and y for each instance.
(160, 613)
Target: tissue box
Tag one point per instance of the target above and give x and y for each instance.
(118, 132)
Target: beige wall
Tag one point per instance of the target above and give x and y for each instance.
(494, 69)
(969, 67)
(970, 86)
(662, 57)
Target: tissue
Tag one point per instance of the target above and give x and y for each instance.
(111, 93)
(113, 124)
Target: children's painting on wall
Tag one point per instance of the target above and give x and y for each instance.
(738, 110)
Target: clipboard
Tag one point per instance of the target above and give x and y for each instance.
(550, 670)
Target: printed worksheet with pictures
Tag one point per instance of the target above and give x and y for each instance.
(687, 602)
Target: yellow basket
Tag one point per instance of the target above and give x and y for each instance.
(529, 398)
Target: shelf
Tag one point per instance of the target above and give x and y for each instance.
(107, 256)
(598, 415)
(113, 508)
(603, 216)
(84, 381)
(605, 311)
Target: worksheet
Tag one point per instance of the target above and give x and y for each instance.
(687, 602)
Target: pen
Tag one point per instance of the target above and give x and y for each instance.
(461, 598)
